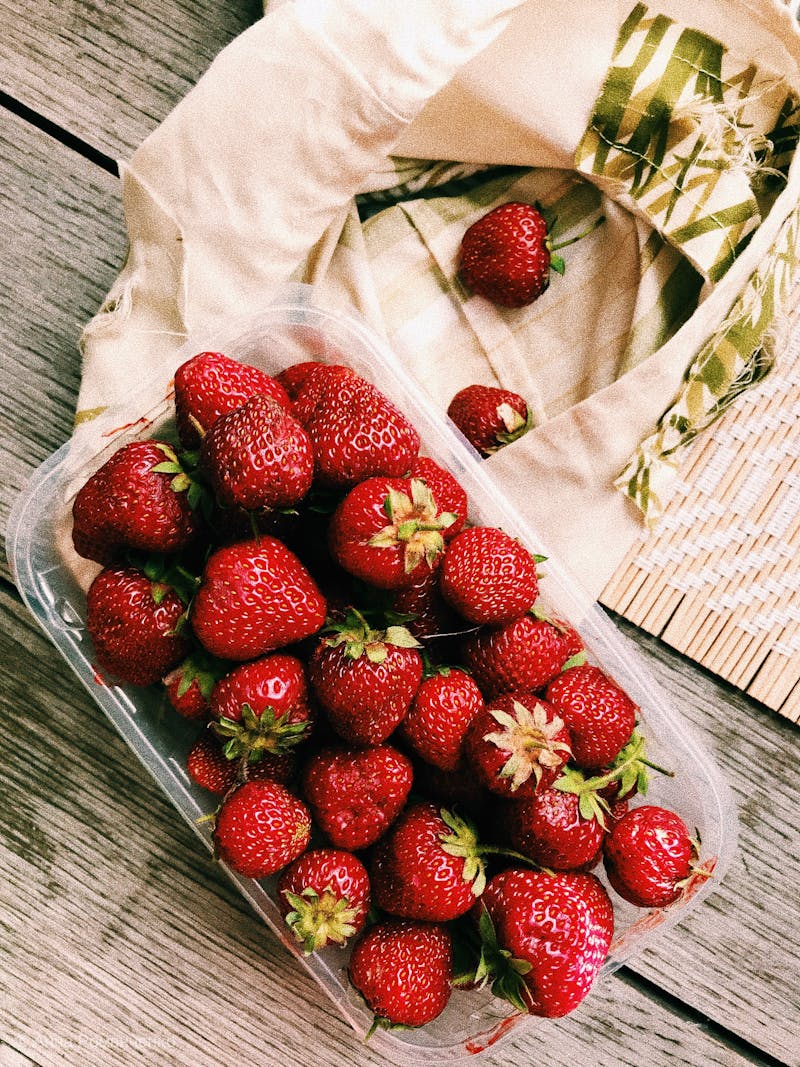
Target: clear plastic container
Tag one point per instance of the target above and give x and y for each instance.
(52, 581)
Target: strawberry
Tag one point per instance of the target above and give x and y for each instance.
(324, 897)
(254, 597)
(134, 624)
(525, 653)
(428, 866)
(315, 384)
(550, 829)
(487, 576)
(449, 494)
(138, 500)
(260, 828)
(490, 417)
(211, 384)
(356, 794)
(437, 721)
(650, 857)
(356, 432)
(295, 376)
(403, 969)
(209, 767)
(600, 715)
(388, 531)
(258, 456)
(365, 679)
(507, 255)
(517, 744)
(189, 685)
(545, 938)
(262, 707)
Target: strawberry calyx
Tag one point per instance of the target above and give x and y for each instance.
(591, 804)
(498, 968)
(183, 466)
(319, 918)
(255, 734)
(415, 523)
(515, 425)
(698, 872)
(359, 639)
(461, 839)
(531, 739)
(200, 667)
(629, 770)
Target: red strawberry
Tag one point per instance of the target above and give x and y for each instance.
(550, 829)
(437, 721)
(254, 597)
(189, 685)
(209, 767)
(490, 417)
(211, 384)
(262, 707)
(505, 255)
(356, 432)
(424, 601)
(403, 969)
(132, 622)
(356, 794)
(295, 376)
(517, 744)
(449, 494)
(599, 714)
(258, 456)
(428, 866)
(138, 500)
(388, 531)
(650, 857)
(525, 653)
(545, 938)
(488, 576)
(324, 896)
(260, 828)
(365, 679)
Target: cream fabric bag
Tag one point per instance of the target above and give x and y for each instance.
(675, 122)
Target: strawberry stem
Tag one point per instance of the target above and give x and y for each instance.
(584, 233)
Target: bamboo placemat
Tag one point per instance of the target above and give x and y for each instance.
(719, 578)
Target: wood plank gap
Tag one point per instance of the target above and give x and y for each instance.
(735, 1042)
(58, 133)
(10, 1056)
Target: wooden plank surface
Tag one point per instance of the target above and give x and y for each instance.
(61, 221)
(124, 945)
(733, 958)
(109, 70)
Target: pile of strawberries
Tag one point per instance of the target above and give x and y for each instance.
(394, 729)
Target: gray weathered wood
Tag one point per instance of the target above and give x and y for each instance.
(124, 945)
(62, 230)
(746, 926)
(108, 71)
